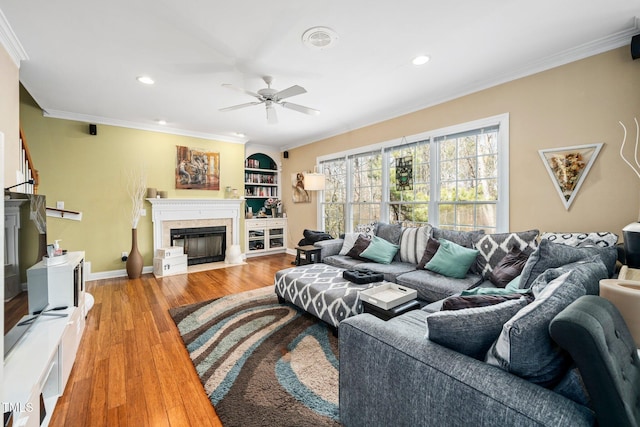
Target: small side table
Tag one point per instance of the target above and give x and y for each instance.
(392, 312)
(311, 255)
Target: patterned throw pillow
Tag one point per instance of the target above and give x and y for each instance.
(494, 247)
(603, 239)
(471, 331)
(367, 229)
(413, 243)
(525, 347)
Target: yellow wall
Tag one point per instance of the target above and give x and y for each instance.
(89, 173)
(9, 116)
(578, 103)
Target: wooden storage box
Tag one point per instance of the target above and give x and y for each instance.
(169, 266)
(388, 295)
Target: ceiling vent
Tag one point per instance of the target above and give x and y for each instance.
(319, 38)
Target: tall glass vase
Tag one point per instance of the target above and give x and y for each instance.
(134, 261)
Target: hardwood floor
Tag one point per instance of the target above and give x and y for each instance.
(132, 368)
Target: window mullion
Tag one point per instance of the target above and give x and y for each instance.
(386, 179)
(348, 211)
(434, 182)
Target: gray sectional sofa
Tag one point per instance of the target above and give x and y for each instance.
(491, 365)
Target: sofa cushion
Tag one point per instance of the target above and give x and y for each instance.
(433, 286)
(380, 250)
(361, 243)
(494, 247)
(588, 273)
(342, 261)
(471, 331)
(413, 243)
(525, 347)
(432, 247)
(389, 232)
(602, 239)
(508, 268)
(553, 255)
(452, 260)
(390, 271)
(347, 244)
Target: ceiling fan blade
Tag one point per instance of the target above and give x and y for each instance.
(236, 107)
(272, 117)
(291, 91)
(300, 108)
(239, 89)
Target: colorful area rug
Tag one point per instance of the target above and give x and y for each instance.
(262, 363)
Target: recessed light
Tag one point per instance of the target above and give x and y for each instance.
(420, 60)
(145, 80)
(161, 122)
(239, 134)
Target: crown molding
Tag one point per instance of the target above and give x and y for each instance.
(595, 47)
(10, 42)
(65, 115)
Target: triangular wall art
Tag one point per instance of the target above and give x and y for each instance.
(568, 167)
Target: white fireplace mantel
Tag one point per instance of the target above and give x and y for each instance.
(163, 210)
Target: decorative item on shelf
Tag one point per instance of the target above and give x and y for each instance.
(151, 193)
(234, 193)
(227, 192)
(272, 204)
(249, 213)
(163, 194)
(632, 231)
(137, 189)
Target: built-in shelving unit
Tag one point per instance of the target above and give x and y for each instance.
(261, 180)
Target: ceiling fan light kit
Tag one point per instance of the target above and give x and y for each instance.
(269, 97)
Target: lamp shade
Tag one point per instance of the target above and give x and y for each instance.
(314, 181)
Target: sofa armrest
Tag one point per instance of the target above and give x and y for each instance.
(390, 374)
(329, 247)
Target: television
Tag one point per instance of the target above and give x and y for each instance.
(25, 245)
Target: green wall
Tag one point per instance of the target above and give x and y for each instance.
(89, 174)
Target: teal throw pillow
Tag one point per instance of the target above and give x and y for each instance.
(380, 251)
(452, 260)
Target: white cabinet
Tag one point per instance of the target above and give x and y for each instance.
(61, 285)
(265, 236)
(37, 369)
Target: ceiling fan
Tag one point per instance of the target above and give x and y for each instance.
(269, 97)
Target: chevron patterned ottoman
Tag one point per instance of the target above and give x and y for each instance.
(320, 289)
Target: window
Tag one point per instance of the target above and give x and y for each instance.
(366, 188)
(334, 196)
(455, 178)
(468, 180)
(410, 206)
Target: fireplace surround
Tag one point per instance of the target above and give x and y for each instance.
(168, 214)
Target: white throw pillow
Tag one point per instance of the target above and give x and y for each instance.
(349, 240)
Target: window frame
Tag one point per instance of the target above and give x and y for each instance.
(502, 202)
